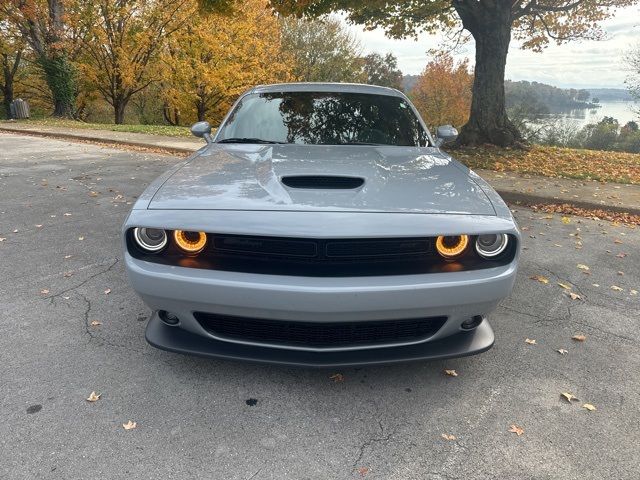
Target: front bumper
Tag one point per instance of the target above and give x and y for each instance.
(178, 340)
(182, 291)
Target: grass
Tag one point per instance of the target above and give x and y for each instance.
(166, 130)
(604, 166)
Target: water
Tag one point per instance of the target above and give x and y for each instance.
(621, 110)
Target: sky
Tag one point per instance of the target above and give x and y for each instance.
(579, 64)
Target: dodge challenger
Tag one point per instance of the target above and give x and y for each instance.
(321, 225)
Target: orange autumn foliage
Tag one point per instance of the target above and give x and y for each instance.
(442, 93)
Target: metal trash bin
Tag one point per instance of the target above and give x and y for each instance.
(19, 109)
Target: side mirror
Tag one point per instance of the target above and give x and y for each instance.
(445, 134)
(202, 130)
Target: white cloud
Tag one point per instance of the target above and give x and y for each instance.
(575, 64)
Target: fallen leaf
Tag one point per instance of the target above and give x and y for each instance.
(80, 238)
(620, 273)
(565, 286)
(595, 284)
(93, 194)
(67, 274)
(337, 377)
(618, 241)
(66, 298)
(589, 407)
(583, 267)
(579, 337)
(363, 471)
(66, 257)
(2, 239)
(562, 351)
(451, 373)
(446, 436)
(44, 291)
(540, 279)
(516, 429)
(633, 292)
(94, 397)
(38, 225)
(129, 425)
(569, 397)
(530, 341)
(16, 231)
(67, 214)
(107, 291)
(616, 288)
(95, 323)
(566, 220)
(621, 255)
(574, 296)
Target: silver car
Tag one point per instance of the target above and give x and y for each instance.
(322, 225)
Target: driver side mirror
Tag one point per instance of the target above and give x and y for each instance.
(202, 130)
(445, 134)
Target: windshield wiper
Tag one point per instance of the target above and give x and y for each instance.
(361, 143)
(248, 140)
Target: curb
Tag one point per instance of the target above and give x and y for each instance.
(507, 195)
(106, 141)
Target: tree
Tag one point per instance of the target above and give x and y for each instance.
(491, 23)
(383, 71)
(442, 93)
(41, 24)
(11, 49)
(213, 58)
(124, 39)
(633, 80)
(321, 50)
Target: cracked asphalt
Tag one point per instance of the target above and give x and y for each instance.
(61, 208)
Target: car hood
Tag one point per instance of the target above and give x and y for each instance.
(396, 179)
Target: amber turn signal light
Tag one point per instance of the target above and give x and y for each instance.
(190, 242)
(452, 246)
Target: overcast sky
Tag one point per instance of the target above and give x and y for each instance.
(575, 64)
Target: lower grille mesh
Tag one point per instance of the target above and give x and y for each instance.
(319, 335)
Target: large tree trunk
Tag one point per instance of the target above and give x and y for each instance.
(60, 78)
(488, 121)
(119, 107)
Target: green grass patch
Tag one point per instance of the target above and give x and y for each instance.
(166, 130)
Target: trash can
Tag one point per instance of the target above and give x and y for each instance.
(19, 109)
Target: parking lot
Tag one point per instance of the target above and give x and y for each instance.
(70, 324)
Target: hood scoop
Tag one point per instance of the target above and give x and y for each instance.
(322, 182)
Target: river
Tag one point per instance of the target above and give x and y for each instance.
(623, 111)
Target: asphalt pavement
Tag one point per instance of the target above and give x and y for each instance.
(70, 324)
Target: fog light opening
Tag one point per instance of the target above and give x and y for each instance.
(168, 318)
(472, 322)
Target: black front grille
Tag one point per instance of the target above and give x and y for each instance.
(319, 335)
(322, 182)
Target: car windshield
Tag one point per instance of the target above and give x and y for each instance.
(323, 118)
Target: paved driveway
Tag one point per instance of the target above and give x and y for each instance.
(199, 418)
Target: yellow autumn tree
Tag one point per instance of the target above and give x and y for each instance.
(214, 57)
(122, 45)
(442, 93)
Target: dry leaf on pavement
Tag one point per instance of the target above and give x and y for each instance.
(565, 286)
(94, 397)
(44, 291)
(446, 436)
(575, 296)
(451, 373)
(589, 407)
(129, 425)
(583, 267)
(569, 397)
(337, 377)
(579, 337)
(540, 279)
(516, 429)
(363, 471)
(616, 288)
(107, 291)
(562, 351)
(95, 323)
(530, 341)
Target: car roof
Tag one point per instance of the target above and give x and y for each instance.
(326, 87)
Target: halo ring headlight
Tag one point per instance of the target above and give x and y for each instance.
(492, 245)
(150, 239)
(451, 246)
(190, 242)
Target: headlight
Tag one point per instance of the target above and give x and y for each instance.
(489, 246)
(452, 246)
(150, 239)
(190, 242)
